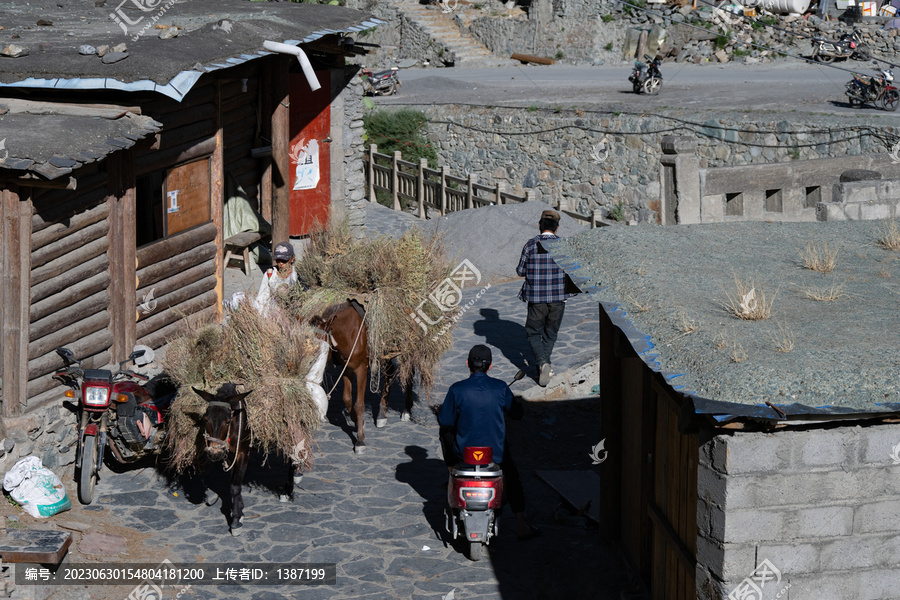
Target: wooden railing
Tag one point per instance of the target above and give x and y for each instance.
(430, 188)
(438, 190)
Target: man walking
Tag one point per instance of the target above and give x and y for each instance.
(544, 290)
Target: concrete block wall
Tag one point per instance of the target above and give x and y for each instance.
(822, 505)
(862, 201)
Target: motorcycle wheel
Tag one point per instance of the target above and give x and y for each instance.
(890, 100)
(862, 53)
(855, 102)
(825, 59)
(476, 551)
(637, 88)
(87, 478)
(390, 88)
(652, 86)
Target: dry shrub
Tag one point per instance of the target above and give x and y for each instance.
(784, 340)
(268, 356)
(686, 324)
(889, 236)
(819, 258)
(749, 301)
(826, 294)
(399, 274)
(720, 342)
(737, 353)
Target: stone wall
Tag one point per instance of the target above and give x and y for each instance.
(348, 180)
(820, 505)
(862, 200)
(580, 160)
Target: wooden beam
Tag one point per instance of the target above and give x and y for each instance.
(36, 107)
(122, 259)
(281, 140)
(671, 537)
(217, 193)
(15, 270)
(63, 183)
(527, 58)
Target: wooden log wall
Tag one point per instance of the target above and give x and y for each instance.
(176, 277)
(69, 301)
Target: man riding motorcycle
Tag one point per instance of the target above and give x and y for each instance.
(473, 414)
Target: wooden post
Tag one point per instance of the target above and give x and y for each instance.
(395, 180)
(281, 141)
(445, 170)
(373, 148)
(470, 192)
(15, 288)
(596, 215)
(217, 197)
(268, 107)
(420, 188)
(499, 192)
(122, 254)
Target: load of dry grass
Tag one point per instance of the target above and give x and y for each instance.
(398, 274)
(270, 356)
(749, 301)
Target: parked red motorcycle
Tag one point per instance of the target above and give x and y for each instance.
(113, 407)
(380, 83)
(863, 89)
(850, 45)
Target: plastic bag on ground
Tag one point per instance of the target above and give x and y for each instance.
(36, 488)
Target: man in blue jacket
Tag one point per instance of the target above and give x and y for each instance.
(473, 414)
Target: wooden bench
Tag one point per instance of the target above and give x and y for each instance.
(238, 245)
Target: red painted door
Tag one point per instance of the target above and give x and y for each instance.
(310, 164)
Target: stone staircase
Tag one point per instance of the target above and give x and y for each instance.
(461, 50)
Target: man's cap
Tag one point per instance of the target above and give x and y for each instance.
(284, 251)
(480, 354)
(550, 214)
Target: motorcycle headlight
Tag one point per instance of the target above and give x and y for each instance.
(96, 396)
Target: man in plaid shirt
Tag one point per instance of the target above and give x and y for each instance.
(544, 290)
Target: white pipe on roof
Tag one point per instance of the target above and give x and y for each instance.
(301, 57)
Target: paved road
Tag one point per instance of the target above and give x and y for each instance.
(379, 516)
(787, 86)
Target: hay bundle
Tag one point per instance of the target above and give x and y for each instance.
(399, 274)
(270, 356)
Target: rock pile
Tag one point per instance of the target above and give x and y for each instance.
(708, 35)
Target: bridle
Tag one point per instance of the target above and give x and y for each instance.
(214, 442)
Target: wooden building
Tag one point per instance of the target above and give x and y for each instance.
(114, 169)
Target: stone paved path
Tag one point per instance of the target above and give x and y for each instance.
(379, 516)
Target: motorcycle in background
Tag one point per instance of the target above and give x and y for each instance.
(850, 45)
(380, 83)
(875, 90)
(112, 407)
(646, 77)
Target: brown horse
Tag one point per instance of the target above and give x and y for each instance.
(345, 327)
(227, 440)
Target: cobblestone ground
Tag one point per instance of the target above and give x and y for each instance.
(379, 516)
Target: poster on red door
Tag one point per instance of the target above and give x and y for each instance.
(305, 160)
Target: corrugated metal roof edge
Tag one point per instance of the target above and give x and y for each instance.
(179, 86)
(721, 412)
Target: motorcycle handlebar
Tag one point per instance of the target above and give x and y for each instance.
(133, 374)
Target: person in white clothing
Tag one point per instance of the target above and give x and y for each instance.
(282, 274)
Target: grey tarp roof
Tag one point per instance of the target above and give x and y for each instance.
(215, 34)
(658, 283)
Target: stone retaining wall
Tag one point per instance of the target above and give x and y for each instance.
(580, 160)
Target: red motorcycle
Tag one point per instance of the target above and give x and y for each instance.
(113, 408)
(873, 89)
